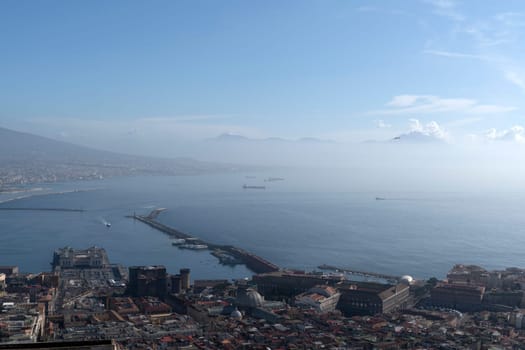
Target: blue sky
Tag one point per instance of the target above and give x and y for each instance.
(97, 71)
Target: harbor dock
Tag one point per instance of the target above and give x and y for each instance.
(365, 274)
(252, 261)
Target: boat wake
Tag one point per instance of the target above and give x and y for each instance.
(104, 222)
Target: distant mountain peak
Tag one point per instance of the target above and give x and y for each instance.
(313, 140)
(230, 137)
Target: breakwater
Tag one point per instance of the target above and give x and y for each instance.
(252, 261)
(42, 209)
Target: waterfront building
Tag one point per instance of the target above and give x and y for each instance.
(69, 258)
(367, 298)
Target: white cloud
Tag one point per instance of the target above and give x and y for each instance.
(488, 35)
(382, 125)
(430, 129)
(410, 104)
(403, 100)
(418, 132)
(515, 134)
(493, 38)
(415, 125)
(515, 78)
(453, 54)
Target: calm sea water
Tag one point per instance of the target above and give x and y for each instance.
(296, 223)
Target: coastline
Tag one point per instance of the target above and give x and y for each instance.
(45, 194)
(10, 190)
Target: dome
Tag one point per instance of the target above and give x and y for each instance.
(406, 279)
(248, 298)
(236, 314)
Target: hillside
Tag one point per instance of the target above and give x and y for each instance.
(27, 158)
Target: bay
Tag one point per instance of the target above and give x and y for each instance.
(299, 222)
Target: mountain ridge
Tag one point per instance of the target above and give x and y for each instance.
(228, 137)
(30, 158)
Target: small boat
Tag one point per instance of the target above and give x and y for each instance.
(380, 199)
(108, 224)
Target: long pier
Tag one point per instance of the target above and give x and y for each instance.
(388, 278)
(252, 261)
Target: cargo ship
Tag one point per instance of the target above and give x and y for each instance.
(248, 187)
(271, 179)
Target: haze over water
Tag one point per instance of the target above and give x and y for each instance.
(300, 222)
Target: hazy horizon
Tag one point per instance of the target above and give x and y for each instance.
(390, 166)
